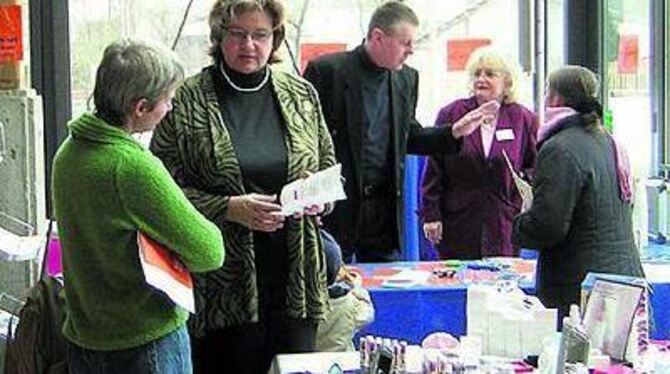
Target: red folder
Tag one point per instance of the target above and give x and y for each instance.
(164, 271)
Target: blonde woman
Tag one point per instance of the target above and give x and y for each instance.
(469, 199)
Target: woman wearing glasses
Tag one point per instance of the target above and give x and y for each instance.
(238, 132)
(469, 199)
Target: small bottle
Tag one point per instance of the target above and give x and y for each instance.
(364, 355)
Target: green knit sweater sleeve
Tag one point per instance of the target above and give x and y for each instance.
(158, 207)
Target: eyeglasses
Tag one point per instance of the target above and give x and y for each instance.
(240, 35)
(489, 73)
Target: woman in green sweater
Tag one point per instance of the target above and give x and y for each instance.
(106, 189)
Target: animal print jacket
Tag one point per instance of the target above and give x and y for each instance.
(194, 144)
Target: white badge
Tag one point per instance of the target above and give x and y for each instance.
(504, 134)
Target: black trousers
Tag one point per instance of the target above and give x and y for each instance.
(376, 231)
(250, 348)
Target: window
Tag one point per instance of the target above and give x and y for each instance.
(626, 93)
(555, 34)
(461, 25)
(96, 23)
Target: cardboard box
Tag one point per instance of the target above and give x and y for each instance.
(11, 75)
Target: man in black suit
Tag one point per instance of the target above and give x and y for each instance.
(369, 100)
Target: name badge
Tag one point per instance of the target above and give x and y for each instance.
(504, 134)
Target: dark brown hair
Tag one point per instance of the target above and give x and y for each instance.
(578, 87)
(224, 11)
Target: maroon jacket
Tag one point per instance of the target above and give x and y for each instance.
(475, 196)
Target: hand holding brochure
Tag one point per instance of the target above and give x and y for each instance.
(322, 187)
(163, 270)
(524, 188)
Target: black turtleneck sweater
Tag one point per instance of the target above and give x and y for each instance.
(254, 122)
(376, 155)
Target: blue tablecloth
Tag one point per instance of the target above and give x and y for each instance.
(412, 313)
(658, 276)
(660, 303)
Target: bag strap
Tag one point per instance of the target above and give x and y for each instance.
(45, 254)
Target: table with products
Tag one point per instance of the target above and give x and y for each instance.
(349, 362)
(411, 311)
(658, 276)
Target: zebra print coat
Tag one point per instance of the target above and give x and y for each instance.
(194, 144)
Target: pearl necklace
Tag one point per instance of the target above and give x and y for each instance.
(242, 89)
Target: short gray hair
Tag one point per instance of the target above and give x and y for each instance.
(390, 14)
(130, 71)
(223, 12)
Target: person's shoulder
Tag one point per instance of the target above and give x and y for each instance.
(461, 105)
(194, 89)
(284, 80)
(519, 110)
(468, 102)
(518, 107)
(333, 59)
(196, 79)
(408, 70)
(137, 162)
(568, 141)
(195, 83)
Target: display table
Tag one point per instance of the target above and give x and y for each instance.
(658, 276)
(410, 313)
(321, 362)
(318, 362)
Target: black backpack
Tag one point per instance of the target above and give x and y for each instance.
(37, 346)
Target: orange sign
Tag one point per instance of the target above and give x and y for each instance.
(628, 54)
(11, 37)
(309, 51)
(459, 51)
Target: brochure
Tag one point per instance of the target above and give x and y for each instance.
(407, 278)
(322, 187)
(524, 188)
(163, 270)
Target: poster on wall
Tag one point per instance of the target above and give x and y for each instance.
(11, 36)
(11, 44)
(309, 51)
(459, 51)
(629, 51)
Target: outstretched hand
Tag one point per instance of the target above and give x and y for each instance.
(433, 231)
(256, 212)
(482, 115)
